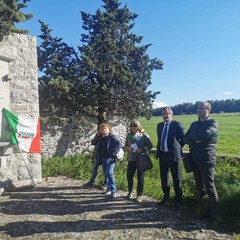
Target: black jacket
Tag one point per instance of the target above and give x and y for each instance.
(202, 138)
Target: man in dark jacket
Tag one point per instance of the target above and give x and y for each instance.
(202, 138)
(169, 151)
(96, 161)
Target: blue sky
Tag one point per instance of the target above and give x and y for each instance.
(198, 42)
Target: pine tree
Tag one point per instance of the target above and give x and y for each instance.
(10, 14)
(108, 76)
(62, 91)
(116, 64)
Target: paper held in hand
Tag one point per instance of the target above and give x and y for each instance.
(134, 147)
(120, 154)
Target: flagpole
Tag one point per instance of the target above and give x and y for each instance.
(27, 168)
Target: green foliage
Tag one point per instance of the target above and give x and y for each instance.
(110, 75)
(228, 186)
(10, 14)
(236, 237)
(62, 92)
(115, 62)
(78, 166)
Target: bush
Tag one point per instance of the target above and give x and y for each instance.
(78, 166)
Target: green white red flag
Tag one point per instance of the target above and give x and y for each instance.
(24, 131)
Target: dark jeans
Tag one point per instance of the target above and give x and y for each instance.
(131, 169)
(96, 164)
(205, 184)
(166, 165)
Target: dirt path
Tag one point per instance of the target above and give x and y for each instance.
(62, 208)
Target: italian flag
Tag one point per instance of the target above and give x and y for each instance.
(24, 131)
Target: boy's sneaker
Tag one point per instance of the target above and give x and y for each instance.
(108, 193)
(114, 195)
(130, 195)
(139, 199)
(104, 187)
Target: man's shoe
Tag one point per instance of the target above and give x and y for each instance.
(88, 184)
(130, 195)
(163, 202)
(139, 199)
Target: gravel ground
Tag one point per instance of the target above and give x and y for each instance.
(61, 208)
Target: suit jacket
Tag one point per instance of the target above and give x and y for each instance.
(174, 140)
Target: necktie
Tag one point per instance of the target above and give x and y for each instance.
(164, 136)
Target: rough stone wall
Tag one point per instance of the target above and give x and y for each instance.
(21, 54)
(68, 139)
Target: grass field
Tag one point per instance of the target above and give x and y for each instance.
(229, 130)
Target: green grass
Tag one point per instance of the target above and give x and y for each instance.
(229, 130)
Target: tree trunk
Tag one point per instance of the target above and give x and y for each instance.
(102, 115)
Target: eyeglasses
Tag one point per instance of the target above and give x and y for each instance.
(133, 125)
(165, 113)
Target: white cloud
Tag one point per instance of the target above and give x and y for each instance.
(229, 93)
(159, 104)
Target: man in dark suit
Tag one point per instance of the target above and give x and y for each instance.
(169, 151)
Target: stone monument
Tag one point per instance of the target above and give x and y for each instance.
(18, 94)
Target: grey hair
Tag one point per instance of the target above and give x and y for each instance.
(167, 108)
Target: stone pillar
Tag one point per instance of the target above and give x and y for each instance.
(19, 94)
